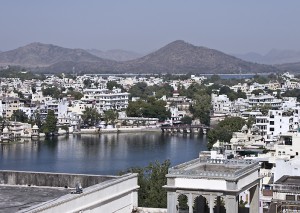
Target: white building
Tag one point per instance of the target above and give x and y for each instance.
(262, 100)
(276, 123)
(221, 104)
(105, 99)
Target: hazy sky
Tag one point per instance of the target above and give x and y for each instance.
(232, 26)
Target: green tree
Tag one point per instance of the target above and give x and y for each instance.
(260, 79)
(87, 83)
(134, 108)
(19, 116)
(111, 84)
(53, 92)
(292, 93)
(232, 95)
(151, 180)
(151, 108)
(90, 116)
(156, 109)
(224, 129)
(49, 127)
(187, 120)
(77, 95)
(225, 90)
(264, 109)
(201, 108)
(257, 92)
(110, 117)
(140, 90)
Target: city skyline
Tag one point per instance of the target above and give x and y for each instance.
(144, 26)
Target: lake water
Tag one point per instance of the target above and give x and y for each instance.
(105, 154)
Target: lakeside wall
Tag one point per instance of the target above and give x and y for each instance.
(117, 130)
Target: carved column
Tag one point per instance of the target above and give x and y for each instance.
(232, 204)
(190, 202)
(211, 203)
(172, 200)
(254, 199)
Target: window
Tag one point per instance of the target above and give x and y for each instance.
(290, 197)
(271, 122)
(272, 129)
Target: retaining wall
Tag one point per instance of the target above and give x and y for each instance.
(50, 179)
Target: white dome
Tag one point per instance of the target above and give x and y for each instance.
(244, 128)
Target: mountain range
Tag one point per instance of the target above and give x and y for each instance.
(175, 57)
(274, 56)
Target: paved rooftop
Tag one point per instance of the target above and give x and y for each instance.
(16, 198)
(214, 168)
(289, 180)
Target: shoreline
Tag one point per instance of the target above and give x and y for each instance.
(116, 130)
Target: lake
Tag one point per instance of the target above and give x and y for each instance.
(105, 154)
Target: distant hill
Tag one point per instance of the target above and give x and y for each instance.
(38, 54)
(182, 57)
(176, 57)
(116, 55)
(289, 67)
(272, 57)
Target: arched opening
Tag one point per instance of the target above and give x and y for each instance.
(182, 204)
(219, 205)
(201, 205)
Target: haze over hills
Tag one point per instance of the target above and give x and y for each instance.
(290, 67)
(182, 57)
(38, 54)
(274, 56)
(116, 55)
(176, 57)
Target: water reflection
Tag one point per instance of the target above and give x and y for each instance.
(99, 154)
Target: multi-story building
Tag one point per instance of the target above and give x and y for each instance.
(105, 99)
(221, 104)
(261, 100)
(9, 106)
(276, 123)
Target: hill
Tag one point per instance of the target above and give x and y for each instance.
(289, 67)
(182, 57)
(176, 57)
(38, 54)
(274, 56)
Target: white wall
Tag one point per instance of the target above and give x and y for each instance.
(200, 183)
(283, 167)
(118, 196)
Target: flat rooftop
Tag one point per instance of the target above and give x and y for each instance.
(21, 190)
(289, 180)
(15, 198)
(214, 168)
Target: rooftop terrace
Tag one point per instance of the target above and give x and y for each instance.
(214, 168)
(16, 198)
